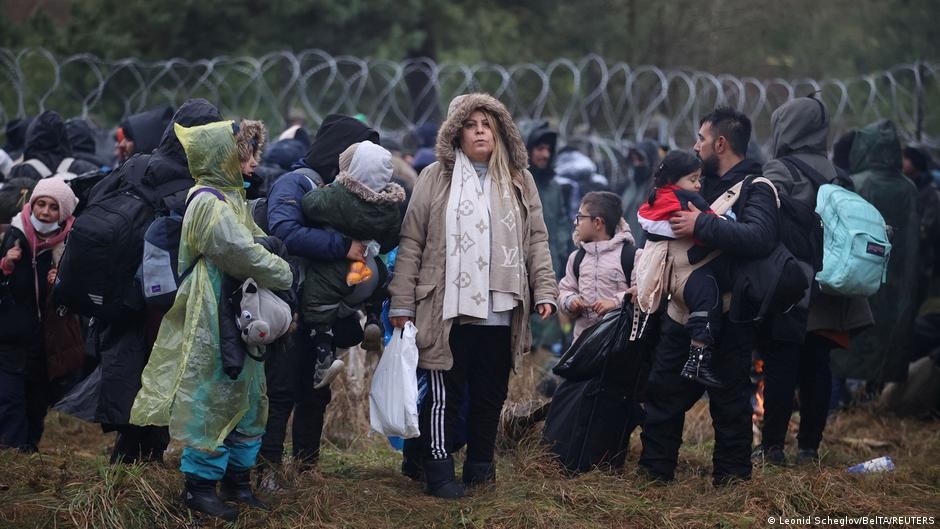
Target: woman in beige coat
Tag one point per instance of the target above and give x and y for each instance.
(473, 262)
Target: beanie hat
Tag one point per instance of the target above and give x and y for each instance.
(367, 163)
(56, 188)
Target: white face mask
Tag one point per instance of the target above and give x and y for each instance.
(43, 227)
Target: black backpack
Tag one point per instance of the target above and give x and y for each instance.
(627, 254)
(96, 275)
(776, 283)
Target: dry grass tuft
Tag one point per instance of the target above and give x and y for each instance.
(357, 484)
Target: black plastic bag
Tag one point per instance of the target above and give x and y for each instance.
(585, 358)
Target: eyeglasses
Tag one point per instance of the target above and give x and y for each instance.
(577, 218)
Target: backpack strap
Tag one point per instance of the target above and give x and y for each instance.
(65, 165)
(218, 194)
(312, 176)
(797, 166)
(40, 167)
(757, 179)
(578, 259)
(627, 255)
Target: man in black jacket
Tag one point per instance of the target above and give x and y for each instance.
(123, 347)
(722, 144)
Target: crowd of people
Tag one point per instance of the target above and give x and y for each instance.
(488, 236)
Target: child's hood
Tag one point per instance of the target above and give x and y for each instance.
(366, 171)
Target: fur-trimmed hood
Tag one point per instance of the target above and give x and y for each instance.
(459, 110)
(391, 194)
(250, 139)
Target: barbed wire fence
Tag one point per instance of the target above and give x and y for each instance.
(604, 107)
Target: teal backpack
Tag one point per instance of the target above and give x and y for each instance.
(855, 243)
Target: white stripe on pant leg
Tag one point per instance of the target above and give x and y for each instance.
(438, 442)
(438, 410)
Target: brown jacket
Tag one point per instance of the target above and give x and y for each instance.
(418, 286)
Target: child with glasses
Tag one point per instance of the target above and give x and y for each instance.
(600, 284)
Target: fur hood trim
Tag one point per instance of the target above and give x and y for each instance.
(250, 139)
(392, 194)
(460, 109)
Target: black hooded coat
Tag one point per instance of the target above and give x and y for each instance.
(47, 141)
(124, 348)
(333, 137)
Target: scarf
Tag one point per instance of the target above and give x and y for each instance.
(38, 245)
(477, 282)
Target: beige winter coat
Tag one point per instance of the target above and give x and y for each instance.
(418, 286)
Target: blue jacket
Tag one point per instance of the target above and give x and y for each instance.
(286, 220)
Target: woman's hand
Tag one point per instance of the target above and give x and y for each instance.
(399, 321)
(50, 277)
(544, 310)
(15, 253)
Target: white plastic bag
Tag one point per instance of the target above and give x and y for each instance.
(393, 401)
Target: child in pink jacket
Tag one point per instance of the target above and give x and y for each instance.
(600, 286)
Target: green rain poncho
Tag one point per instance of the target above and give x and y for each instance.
(183, 385)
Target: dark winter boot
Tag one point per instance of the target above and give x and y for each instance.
(200, 495)
(411, 460)
(236, 486)
(441, 481)
(126, 448)
(475, 473)
(699, 367)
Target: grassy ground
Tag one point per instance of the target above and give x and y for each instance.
(357, 485)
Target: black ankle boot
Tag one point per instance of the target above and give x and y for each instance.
(702, 371)
(475, 473)
(200, 495)
(236, 486)
(441, 481)
(411, 460)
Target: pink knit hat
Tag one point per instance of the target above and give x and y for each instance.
(56, 189)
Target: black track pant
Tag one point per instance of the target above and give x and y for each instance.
(482, 362)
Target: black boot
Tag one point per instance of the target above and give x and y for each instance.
(236, 486)
(701, 371)
(441, 481)
(411, 460)
(475, 473)
(200, 495)
(126, 447)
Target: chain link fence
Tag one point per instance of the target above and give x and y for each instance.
(603, 107)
